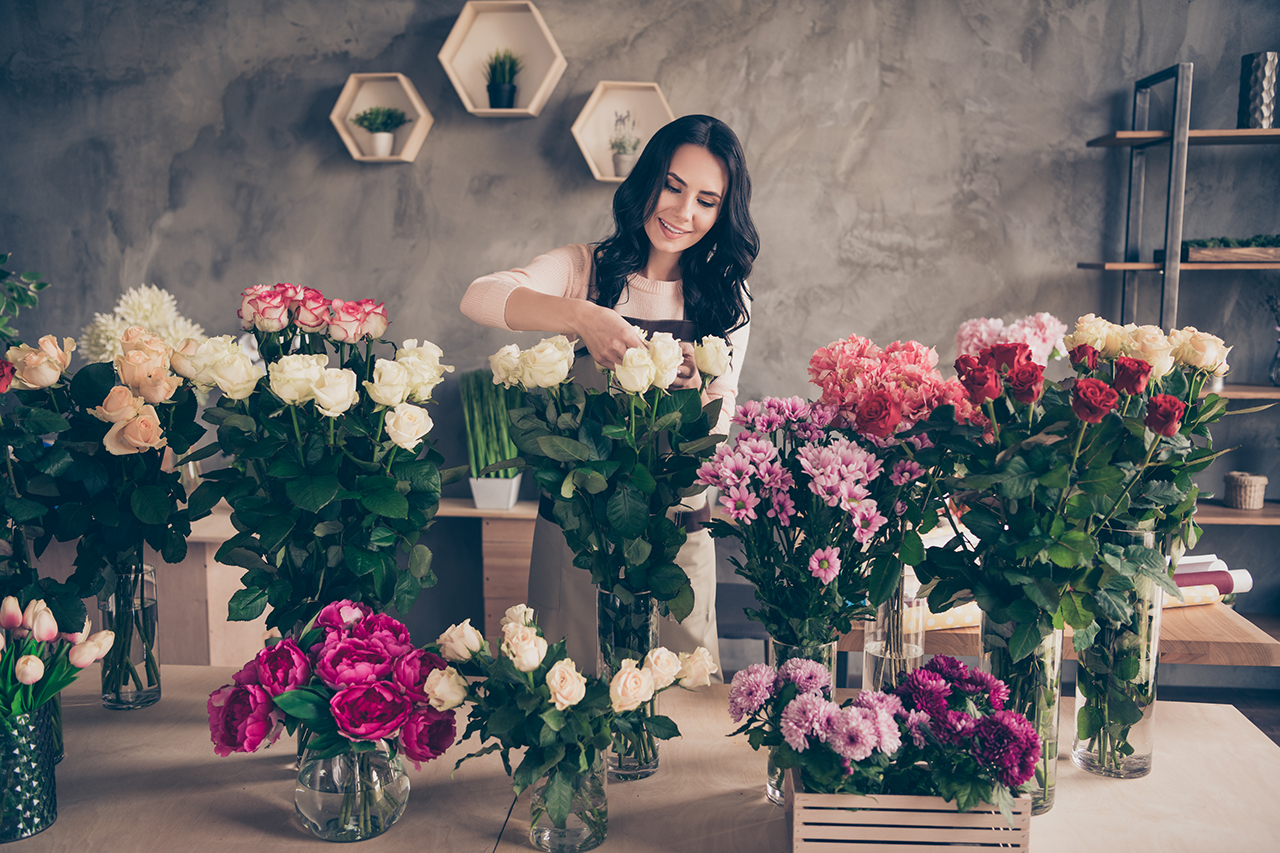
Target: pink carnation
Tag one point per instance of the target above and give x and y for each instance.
(825, 564)
(241, 718)
(977, 334)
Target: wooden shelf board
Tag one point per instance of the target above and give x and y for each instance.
(1151, 266)
(1216, 512)
(1142, 138)
(1209, 634)
(1249, 392)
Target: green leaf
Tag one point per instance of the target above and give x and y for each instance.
(312, 493)
(362, 561)
(151, 504)
(1026, 637)
(246, 605)
(327, 528)
(1075, 548)
(420, 562)
(1075, 610)
(305, 705)
(628, 512)
(636, 551)
(911, 551)
(386, 503)
(563, 449)
(558, 798)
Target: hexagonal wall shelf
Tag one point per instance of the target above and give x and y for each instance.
(488, 25)
(594, 125)
(381, 90)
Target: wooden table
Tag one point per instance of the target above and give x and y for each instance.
(148, 780)
(1210, 634)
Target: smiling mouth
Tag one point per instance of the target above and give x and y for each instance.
(673, 232)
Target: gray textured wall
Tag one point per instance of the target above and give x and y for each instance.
(915, 163)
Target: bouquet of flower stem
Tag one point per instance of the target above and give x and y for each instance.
(332, 472)
(485, 408)
(36, 661)
(942, 731)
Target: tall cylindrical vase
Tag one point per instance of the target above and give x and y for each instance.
(586, 822)
(778, 654)
(893, 644)
(30, 792)
(628, 630)
(1035, 684)
(1116, 691)
(131, 669)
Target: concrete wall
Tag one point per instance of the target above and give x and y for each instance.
(915, 164)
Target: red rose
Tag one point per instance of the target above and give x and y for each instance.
(1084, 356)
(427, 734)
(1006, 355)
(1026, 382)
(1131, 375)
(283, 667)
(982, 383)
(6, 374)
(370, 711)
(1092, 399)
(878, 414)
(1164, 414)
(966, 364)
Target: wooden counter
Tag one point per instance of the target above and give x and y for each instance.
(149, 780)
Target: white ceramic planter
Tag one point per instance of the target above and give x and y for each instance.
(383, 143)
(623, 164)
(494, 492)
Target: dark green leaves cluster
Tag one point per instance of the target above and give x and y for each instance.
(16, 292)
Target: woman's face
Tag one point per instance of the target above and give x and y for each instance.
(689, 201)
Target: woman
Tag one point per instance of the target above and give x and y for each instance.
(682, 247)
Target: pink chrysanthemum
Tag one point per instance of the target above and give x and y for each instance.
(807, 715)
(751, 688)
(852, 733)
(783, 508)
(808, 676)
(740, 502)
(877, 701)
(1008, 743)
(905, 471)
(825, 564)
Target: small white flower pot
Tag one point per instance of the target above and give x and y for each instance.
(623, 164)
(383, 143)
(494, 492)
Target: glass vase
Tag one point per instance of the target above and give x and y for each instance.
(628, 630)
(776, 655)
(893, 644)
(1035, 685)
(351, 796)
(1274, 373)
(1116, 691)
(587, 822)
(127, 606)
(26, 762)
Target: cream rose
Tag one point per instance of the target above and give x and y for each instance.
(422, 364)
(696, 668)
(445, 688)
(335, 391)
(566, 684)
(547, 363)
(630, 687)
(390, 385)
(407, 424)
(1200, 350)
(460, 642)
(196, 360)
(664, 665)
(519, 614)
(142, 432)
(293, 377)
(635, 373)
(523, 646)
(41, 366)
(711, 356)
(505, 364)
(667, 356)
(1150, 344)
(119, 406)
(236, 375)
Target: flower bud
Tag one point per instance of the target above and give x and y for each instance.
(45, 628)
(104, 640)
(82, 654)
(29, 669)
(10, 613)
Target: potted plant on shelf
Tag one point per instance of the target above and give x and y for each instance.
(382, 123)
(625, 144)
(500, 77)
(484, 407)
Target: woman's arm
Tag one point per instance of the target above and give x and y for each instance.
(726, 387)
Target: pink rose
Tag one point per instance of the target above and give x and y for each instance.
(241, 719)
(411, 670)
(39, 367)
(283, 667)
(312, 311)
(389, 633)
(119, 406)
(136, 367)
(370, 711)
(6, 375)
(375, 320)
(138, 339)
(348, 661)
(140, 433)
(158, 386)
(344, 325)
(266, 310)
(247, 297)
(427, 734)
(341, 614)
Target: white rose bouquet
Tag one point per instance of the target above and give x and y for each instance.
(333, 473)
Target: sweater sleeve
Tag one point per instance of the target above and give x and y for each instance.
(726, 387)
(561, 272)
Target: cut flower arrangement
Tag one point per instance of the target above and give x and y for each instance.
(333, 472)
(36, 660)
(942, 731)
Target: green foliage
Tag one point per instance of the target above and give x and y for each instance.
(17, 291)
(1256, 241)
(501, 67)
(381, 119)
(485, 411)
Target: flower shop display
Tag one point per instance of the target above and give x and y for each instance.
(147, 306)
(364, 694)
(87, 462)
(613, 463)
(485, 407)
(943, 731)
(332, 472)
(1042, 333)
(1075, 495)
(531, 696)
(36, 663)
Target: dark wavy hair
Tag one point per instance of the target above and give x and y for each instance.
(714, 271)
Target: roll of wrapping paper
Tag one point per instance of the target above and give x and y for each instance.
(1227, 581)
(1207, 594)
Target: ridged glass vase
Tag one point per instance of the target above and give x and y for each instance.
(30, 795)
(777, 654)
(893, 644)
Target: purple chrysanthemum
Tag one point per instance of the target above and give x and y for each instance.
(878, 701)
(852, 733)
(1007, 742)
(996, 691)
(924, 691)
(808, 714)
(751, 688)
(951, 727)
(917, 725)
(948, 667)
(808, 676)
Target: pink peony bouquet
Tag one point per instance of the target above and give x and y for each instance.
(1042, 333)
(941, 731)
(354, 680)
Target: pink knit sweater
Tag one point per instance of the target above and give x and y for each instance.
(568, 272)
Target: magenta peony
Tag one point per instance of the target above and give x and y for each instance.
(387, 632)
(347, 661)
(241, 718)
(427, 734)
(370, 711)
(342, 614)
(282, 667)
(411, 670)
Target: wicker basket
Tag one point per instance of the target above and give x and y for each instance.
(847, 823)
(1245, 490)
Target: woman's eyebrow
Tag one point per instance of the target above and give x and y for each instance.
(682, 183)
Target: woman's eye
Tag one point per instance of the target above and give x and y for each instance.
(673, 189)
(709, 205)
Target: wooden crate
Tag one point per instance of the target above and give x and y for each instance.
(846, 823)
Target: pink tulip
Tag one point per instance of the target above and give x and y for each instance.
(82, 654)
(104, 640)
(79, 636)
(45, 627)
(10, 613)
(29, 669)
(29, 615)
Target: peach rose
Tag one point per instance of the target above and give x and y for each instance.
(460, 642)
(445, 688)
(407, 424)
(41, 366)
(523, 646)
(630, 687)
(159, 386)
(663, 664)
(696, 668)
(566, 684)
(141, 432)
(119, 406)
(138, 339)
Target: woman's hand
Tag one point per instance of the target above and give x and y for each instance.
(687, 376)
(605, 333)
